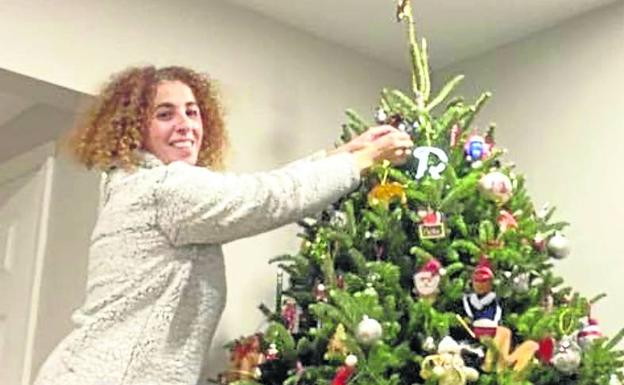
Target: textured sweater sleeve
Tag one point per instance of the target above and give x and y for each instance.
(196, 205)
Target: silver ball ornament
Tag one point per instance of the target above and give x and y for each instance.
(368, 331)
(558, 246)
(567, 357)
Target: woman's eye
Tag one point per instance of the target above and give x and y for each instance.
(192, 112)
(163, 115)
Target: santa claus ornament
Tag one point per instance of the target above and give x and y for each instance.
(344, 373)
(482, 306)
(590, 331)
(477, 148)
(427, 280)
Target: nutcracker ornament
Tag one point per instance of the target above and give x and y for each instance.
(427, 280)
(482, 306)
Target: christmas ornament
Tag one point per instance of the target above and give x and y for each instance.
(496, 186)
(482, 306)
(558, 246)
(455, 134)
(546, 349)
(502, 357)
(337, 347)
(428, 344)
(506, 221)
(567, 357)
(340, 282)
(548, 302)
(384, 193)
(368, 331)
(271, 353)
(521, 282)
(539, 242)
(589, 332)
(320, 293)
(447, 367)
(290, 315)
(245, 359)
(422, 155)
(431, 226)
(476, 148)
(345, 371)
(427, 280)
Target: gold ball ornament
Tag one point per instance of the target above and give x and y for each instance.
(384, 193)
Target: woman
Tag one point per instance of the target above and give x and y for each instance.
(156, 284)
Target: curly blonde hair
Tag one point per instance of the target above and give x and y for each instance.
(110, 131)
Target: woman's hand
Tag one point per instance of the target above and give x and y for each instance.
(377, 144)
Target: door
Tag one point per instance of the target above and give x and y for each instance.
(24, 202)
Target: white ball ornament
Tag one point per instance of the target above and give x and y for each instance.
(368, 331)
(496, 186)
(558, 246)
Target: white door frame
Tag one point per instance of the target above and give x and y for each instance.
(39, 158)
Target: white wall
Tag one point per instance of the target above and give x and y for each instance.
(558, 103)
(284, 92)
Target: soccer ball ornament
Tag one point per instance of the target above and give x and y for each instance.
(558, 246)
(496, 186)
(368, 331)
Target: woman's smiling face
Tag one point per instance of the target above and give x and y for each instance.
(175, 129)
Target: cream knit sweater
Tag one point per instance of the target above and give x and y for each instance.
(156, 281)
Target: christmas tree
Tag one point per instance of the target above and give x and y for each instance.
(438, 271)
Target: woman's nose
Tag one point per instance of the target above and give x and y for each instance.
(182, 123)
(182, 127)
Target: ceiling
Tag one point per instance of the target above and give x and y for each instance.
(455, 29)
